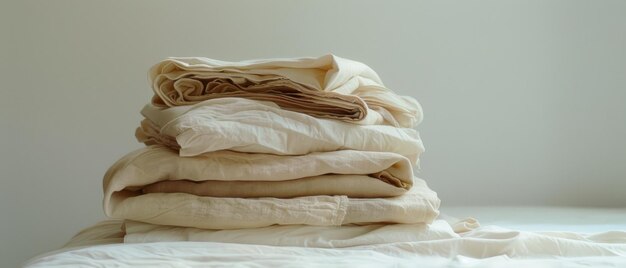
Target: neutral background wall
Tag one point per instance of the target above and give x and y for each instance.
(524, 100)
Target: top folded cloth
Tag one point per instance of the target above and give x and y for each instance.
(326, 87)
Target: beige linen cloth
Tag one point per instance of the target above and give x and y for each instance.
(294, 235)
(251, 126)
(179, 209)
(326, 87)
(155, 169)
(322, 180)
(125, 231)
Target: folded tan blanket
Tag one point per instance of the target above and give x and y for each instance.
(157, 169)
(262, 127)
(137, 188)
(380, 184)
(326, 87)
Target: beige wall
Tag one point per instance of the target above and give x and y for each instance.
(524, 100)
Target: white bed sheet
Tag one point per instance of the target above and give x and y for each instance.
(538, 240)
(204, 254)
(537, 218)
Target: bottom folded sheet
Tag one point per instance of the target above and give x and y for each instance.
(419, 205)
(294, 235)
(230, 190)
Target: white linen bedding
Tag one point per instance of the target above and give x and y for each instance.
(210, 254)
(251, 126)
(488, 246)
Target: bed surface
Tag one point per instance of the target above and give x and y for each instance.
(529, 218)
(509, 237)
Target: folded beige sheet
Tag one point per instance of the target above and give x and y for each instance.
(262, 127)
(327, 87)
(158, 169)
(294, 235)
(323, 180)
(419, 205)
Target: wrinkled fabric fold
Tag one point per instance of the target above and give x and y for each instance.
(326, 87)
(379, 245)
(378, 185)
(262, 127)
(131, 189)
(156, 169)
(186, 210)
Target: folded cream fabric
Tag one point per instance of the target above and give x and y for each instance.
(327, 87)
(262, 127)
(155, 169)
(294, 235)
(419, 205)
(381, 174)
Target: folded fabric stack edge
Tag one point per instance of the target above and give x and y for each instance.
(300, 144)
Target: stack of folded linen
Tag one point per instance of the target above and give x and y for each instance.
(305, 147)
